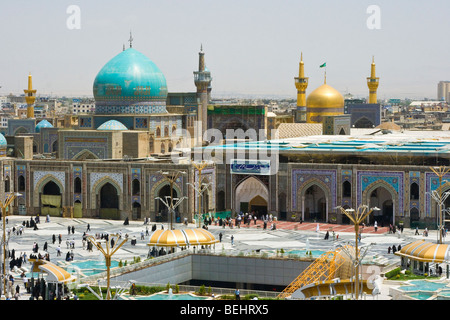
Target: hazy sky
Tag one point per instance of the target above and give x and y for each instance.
(251, 46)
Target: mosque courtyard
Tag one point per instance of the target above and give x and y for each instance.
(287, 236)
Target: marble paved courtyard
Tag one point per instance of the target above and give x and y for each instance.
(288, 235)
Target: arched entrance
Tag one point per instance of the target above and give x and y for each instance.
(162, 212)
(364, 123)
(77, 209)
(136, 211)
(315, 204)
(247, 191)
(258, 204)
(382, 199)
(221, 201)
(109, 202)
(51, 199)
(414, 215)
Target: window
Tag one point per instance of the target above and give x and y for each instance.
(346, 189)
(7, 184)
(136, 187)
(77, 185)
(21, 184)
(414, 191)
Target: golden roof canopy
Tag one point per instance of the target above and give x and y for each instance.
(181, 237)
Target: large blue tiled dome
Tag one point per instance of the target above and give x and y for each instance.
(130, 83)
(43, 124)
(112, 125)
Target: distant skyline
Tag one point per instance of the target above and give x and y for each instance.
(252, 48)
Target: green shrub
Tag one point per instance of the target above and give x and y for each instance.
(202, 290)
(393, 273)
(177, 289)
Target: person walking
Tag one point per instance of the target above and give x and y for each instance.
(220, 237)
(237, 293)
(375, 225)
(232, 239)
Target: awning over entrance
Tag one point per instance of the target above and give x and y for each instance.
(181, 237)
(424, 251)
(55, 274)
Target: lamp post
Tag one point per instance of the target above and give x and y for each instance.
(199, 166)
(172, 176)
(202, 188)
(440, 198)
(4, 204)
(356, 260)
(168, 202)
(108, 252)
(357, 216)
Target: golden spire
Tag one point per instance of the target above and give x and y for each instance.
(372, 83)
(301, 83)
(30, 97)
(301, 71)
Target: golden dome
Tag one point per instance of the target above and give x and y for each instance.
(324, 101)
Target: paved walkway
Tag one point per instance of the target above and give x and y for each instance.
(288, 235)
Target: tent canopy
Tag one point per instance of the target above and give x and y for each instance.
(181, 237)
(55, 274)
(424, 251)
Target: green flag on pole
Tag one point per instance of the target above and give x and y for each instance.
(323, 65)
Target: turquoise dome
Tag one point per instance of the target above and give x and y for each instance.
(3, 142)
(112, 125)
(43, 124)
(130, 77)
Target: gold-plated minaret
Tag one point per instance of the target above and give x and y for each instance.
(30, 97)
(372, 83)
(301, 83)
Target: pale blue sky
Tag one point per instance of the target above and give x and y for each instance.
(252, 46)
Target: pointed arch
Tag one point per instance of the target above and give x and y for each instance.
(95, 190)
(367, 193)
(39, 188)
(364, 122)
(324, 202)
(85, 154)
(248, 189)
(154, 192)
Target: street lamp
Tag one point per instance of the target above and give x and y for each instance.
(200, 166)
(440, 197)
(357, 216)
(107, 253)
(168, 202)
(99, 296)
(172, 176)
(356, 260)
(4, 204)
(202, 188)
